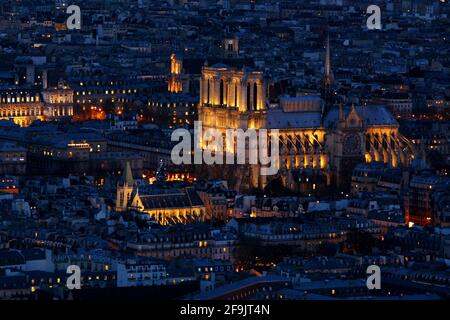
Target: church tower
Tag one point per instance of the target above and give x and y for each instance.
(176, 66)
(327, 87)
(232, 98)
(125, 188)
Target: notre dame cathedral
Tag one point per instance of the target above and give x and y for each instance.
(319, 142)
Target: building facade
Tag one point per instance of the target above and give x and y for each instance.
(58, 101)
(179, 206)
(25, 105)
(329, 144)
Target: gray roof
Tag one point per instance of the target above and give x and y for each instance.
(373, 115)
(33, 254)
(8, 258)
(278, 119)
(304, 98)
(233, 287)
(220, 66)
(184, 199)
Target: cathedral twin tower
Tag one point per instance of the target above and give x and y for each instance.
(224, 87)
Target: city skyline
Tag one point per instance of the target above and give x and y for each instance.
(188, 151)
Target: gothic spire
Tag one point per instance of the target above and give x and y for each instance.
(327, 90)
(128, 175)
(327, 79)
(341, 112)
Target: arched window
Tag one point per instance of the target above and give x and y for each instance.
(235, 94)
(248, 97)
(208, 93)
(255, 96)
(221, 92)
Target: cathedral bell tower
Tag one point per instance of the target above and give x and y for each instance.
(175, 84)
(125, 188)
(232, 98)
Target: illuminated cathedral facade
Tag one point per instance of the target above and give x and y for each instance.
(318, 145)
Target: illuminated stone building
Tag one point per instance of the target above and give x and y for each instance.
(327, 146)
(23, 106)
(58, 101)
(124, 189)
(176, 65)
(363, 134)
(183, 206)
(179, 206)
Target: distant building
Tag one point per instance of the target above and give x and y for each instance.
(197, 240)
(58, 101)
(429, 133)
(400, 103)
(132, 273)
(170, 110)
(13, 159)
(21, 105)
(421, 205)
(152, 145)
(218, 200)
(123, 122)
(365, 177)
(14, 287)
